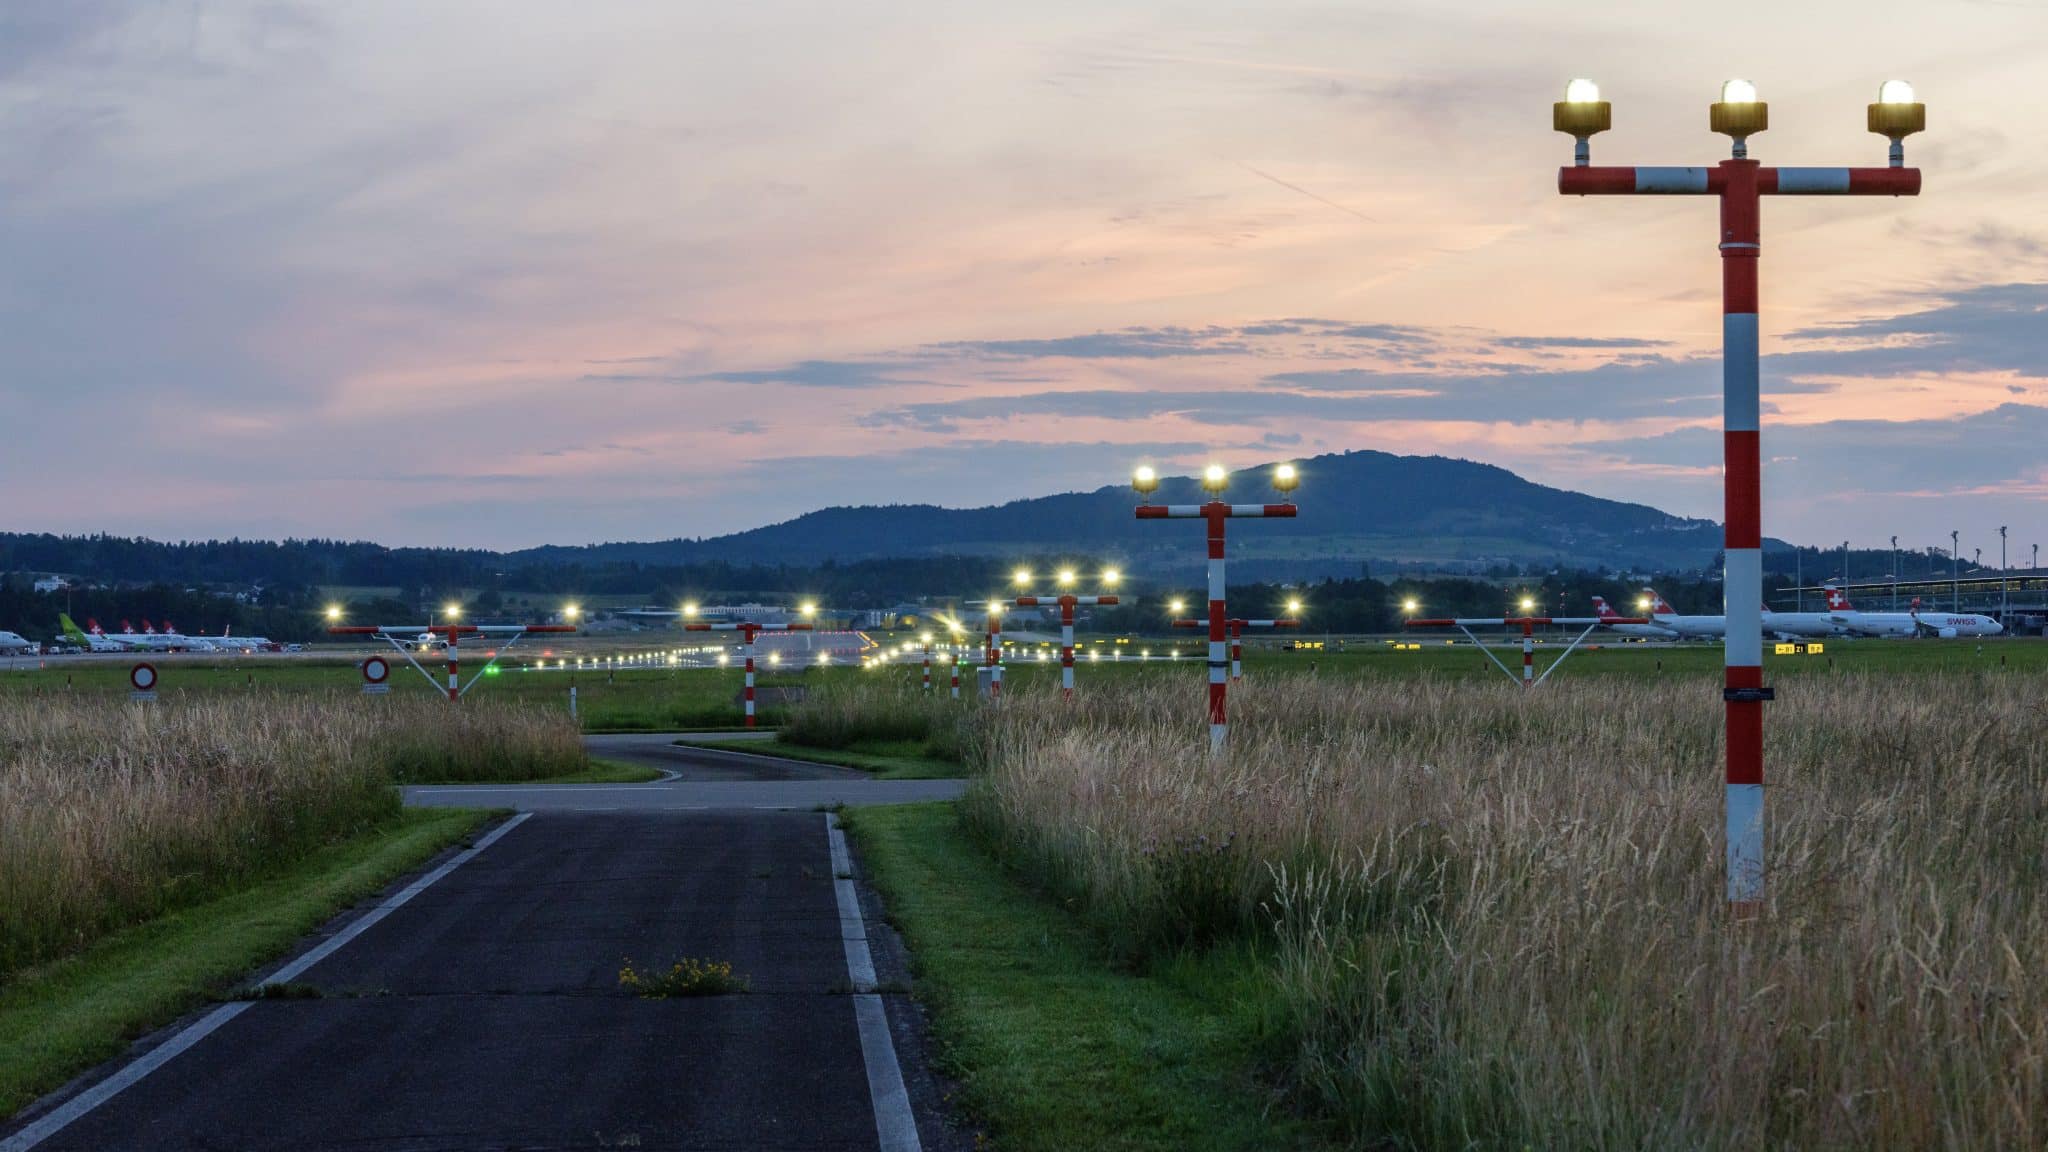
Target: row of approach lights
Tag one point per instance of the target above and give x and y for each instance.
(1215, 478)
(808, 610)
(1582, 114)
(1528, 604)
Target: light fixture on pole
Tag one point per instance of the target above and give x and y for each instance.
(1739, 184)
(1895, 573)
(2004, 598)
(1215, 513)
(1067, 602)
(1955, 570)
(750, 631)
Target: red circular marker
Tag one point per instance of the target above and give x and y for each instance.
(143, 677)
(375, 670)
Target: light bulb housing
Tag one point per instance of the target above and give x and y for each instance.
(1286, 478)
(1582, 112)
(1896, 115)
(1215, 478)
(1738, 112)
(1145, 479)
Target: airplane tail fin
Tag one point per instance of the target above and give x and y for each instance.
(69, 627)
(1602, 610)
(1657, 605)
(1836, 601)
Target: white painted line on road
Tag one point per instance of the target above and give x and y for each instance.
(62, 1116)
(894, 1124)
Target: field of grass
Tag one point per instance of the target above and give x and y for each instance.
(114, 813)
(1496, 919)
(59, 1018)
(1054, 1048)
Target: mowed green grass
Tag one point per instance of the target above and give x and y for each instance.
(63, 1017)
(886, 759)
(1054, 1047)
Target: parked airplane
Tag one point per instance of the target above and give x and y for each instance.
(14, 645)
(93, 639)
(1940, 625)
(1687, 627)
(1646, 631)
(1803, 625)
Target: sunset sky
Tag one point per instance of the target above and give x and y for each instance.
(510, 272)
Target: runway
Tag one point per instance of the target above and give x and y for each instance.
(485, 1009)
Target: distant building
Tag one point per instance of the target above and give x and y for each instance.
(52, 584)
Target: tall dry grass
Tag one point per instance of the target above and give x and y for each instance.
(112, 813)
(1498, 916)
(841, 715)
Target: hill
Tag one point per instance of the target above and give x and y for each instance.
(1355, 507)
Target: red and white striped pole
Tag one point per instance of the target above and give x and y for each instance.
(1740, 183)
(747, 634)
(748, 631)
(927, 667)
(1214, 513)
(1237, 628)
(454, 664)
(994, 654)
(1528, 653)
(1067, 603)
(954, 663)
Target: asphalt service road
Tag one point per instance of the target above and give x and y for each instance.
(479, 1005)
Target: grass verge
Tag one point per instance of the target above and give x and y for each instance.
(1055, 1047)
(887, 759)
(61, 1018)
(601, 771)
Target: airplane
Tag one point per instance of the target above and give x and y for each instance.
(1941, 626)
(1646, 631)
(1687, 627)
(92, 641)
(1804, 625)
(12, 644)
(227, 641)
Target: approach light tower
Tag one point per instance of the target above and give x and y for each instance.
(1067, 602)
(750, 631)
(1740, 184)
(1215, 513)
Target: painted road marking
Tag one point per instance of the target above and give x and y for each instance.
(894, 1124)
(62, 1116)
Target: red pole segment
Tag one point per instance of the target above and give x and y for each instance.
(994, 652)
(1528, 653)
(927, 668)
(1740, 183)
(954, 663)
